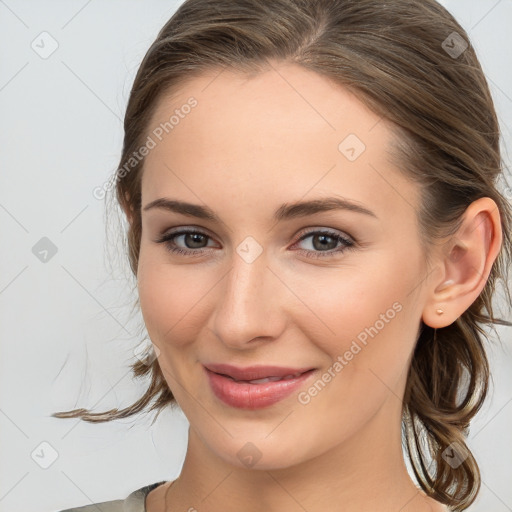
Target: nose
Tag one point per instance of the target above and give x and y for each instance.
(250, 305)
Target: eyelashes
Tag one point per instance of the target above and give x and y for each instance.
(346, 243)
(325, 236)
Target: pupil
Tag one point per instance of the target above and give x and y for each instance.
(323, 244)
(196, 237)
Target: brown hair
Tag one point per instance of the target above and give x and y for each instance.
(403, 60)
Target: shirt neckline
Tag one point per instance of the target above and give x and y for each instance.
(136, 501)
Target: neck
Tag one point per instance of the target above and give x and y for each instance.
(364, 473)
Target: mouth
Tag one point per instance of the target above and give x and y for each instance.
(265, 379)
(257, 374)
(255, 387)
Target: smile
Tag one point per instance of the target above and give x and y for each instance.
(257, 391)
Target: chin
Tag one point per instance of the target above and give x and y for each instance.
(257, 453)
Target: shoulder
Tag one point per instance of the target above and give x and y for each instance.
(134, 502)
(104, 506)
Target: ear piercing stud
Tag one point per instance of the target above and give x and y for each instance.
(439, 311)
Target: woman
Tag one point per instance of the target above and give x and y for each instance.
(316, 232)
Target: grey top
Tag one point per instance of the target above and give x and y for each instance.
(134, 502)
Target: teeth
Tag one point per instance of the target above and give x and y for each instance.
(262, 381)
(266, 379)
(274, 379)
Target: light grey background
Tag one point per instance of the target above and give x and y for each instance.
(66, 333)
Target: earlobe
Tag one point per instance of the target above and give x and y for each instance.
(129, 216)
(466, 263)
(127, 208)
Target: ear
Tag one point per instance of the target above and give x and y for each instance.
(127, 209)
(466, 261)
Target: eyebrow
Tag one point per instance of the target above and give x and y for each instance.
(286, 211)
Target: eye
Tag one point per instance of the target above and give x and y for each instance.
(192, 238)
(326, 239)
(324, 243)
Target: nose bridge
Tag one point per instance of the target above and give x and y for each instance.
(247, 306)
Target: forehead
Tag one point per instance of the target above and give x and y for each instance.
(283, 98)
(285, 130)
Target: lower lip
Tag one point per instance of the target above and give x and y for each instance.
(244, 395)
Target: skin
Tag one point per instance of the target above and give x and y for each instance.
(250, 145)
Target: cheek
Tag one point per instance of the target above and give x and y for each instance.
(371, 316)
(171, 306)
(368, 309)
(170, 299)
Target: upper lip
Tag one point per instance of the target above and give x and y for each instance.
(254, 372)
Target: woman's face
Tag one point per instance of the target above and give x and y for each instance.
(339, 290)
